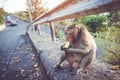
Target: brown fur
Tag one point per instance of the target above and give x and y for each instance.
(82, 47)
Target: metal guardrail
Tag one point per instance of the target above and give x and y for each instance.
(75, 8)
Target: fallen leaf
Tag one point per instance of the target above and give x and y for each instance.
(31, 71)
(17, 60)
(37, 73)
(33, 55)
(22, 71)
(37, 69)
(115, 67)
(17, 75)
(35, 65)
(32, 58)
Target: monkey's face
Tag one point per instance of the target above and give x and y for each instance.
(68, 34)
(71, 33)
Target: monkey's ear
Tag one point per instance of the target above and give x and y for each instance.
(78, 27)
(73, 25)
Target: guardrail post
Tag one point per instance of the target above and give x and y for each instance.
(52, 31)
(39, 32)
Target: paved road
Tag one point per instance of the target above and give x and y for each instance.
(8, 41)
(18, 60)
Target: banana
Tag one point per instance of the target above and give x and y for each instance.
(66, 44)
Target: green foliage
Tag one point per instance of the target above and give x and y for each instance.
(109, 40)
(114, 17)
(93, 21)
(22, 14)
(1, 16)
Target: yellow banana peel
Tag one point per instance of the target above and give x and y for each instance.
(66, 44)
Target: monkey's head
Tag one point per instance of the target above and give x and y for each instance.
(71, 32)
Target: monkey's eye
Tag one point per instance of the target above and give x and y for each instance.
(68, 33)
(65, 33)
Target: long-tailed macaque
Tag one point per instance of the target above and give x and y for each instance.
(79, 48)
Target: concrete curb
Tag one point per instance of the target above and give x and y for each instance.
(48, 57)
(42, 68)
(48, 53)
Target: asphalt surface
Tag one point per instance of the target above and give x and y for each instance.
(17, 58)
(8, 41)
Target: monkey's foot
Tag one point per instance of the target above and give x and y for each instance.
(86, 72)
(58, 67)
(78, 71)
(73, 72)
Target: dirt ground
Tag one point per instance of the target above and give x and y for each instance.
(23, 64)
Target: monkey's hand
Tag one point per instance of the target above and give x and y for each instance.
(58, 67)
(65, 46)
